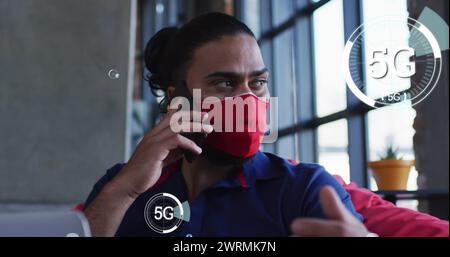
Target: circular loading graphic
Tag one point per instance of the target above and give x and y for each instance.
(419, 55)
(163, 213)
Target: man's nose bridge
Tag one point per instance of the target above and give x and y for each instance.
(243, 87)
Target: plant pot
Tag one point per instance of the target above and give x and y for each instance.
(391, 174)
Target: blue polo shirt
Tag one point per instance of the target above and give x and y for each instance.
(261, 198)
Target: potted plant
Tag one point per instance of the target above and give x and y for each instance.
(391, 172)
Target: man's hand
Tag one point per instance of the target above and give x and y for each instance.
(340, 223)
(158, 148)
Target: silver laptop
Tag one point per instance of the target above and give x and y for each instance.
(44, 224)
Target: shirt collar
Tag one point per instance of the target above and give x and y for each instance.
(259, 167)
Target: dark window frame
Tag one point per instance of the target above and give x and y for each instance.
(308, 122)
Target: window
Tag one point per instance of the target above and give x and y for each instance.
(309, 84)
(330, 87)
(251, 17)
(328, 38)
(322, 121)
(283, 74)
(333, 143)
(393, 124)
(153, 16)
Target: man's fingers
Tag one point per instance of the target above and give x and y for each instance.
(179, 141)
(332, 204)
(191, 127)
(340, 223)
(185, 127)
(318, 228)
(174, 116)
(186, 116)
(163, 123)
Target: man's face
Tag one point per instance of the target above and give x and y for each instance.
(230, 66)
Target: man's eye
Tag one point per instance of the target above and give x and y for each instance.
(226, 83)
(259, 83)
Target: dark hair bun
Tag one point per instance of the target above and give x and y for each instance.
(156, 54)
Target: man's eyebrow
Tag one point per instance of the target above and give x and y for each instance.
(231, 74)
(223, 74)
(259, 72)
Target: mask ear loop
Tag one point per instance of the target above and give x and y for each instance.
(168, 102)
(267, 95)
(266, 100)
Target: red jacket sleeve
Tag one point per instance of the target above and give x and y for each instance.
(387, 220)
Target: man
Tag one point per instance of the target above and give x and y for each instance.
(232, 188)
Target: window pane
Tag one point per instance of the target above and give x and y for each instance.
(392, 124)
(251, 14)
(388, 36)
(283, 88)
(328, 48)
(410, 204)
(282, 10)
(333, 143)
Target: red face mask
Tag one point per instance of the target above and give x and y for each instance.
(239, 124)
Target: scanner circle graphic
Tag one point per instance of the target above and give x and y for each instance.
(164, 213)
(420, 56)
